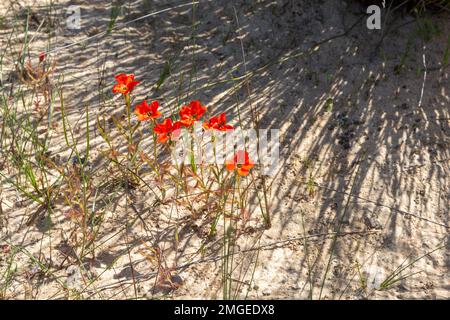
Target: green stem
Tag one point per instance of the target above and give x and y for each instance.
(128, 108)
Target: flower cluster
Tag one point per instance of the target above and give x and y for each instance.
(168, 130)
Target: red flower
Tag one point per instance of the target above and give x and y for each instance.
(167, 130)
(41, 56)
(125, 83)
(218, 123)
(240, 162)
(190, 114)
(146, 112)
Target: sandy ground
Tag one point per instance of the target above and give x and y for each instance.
(379, 160)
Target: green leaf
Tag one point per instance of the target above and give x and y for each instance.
(163, 75)
(115, 11)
